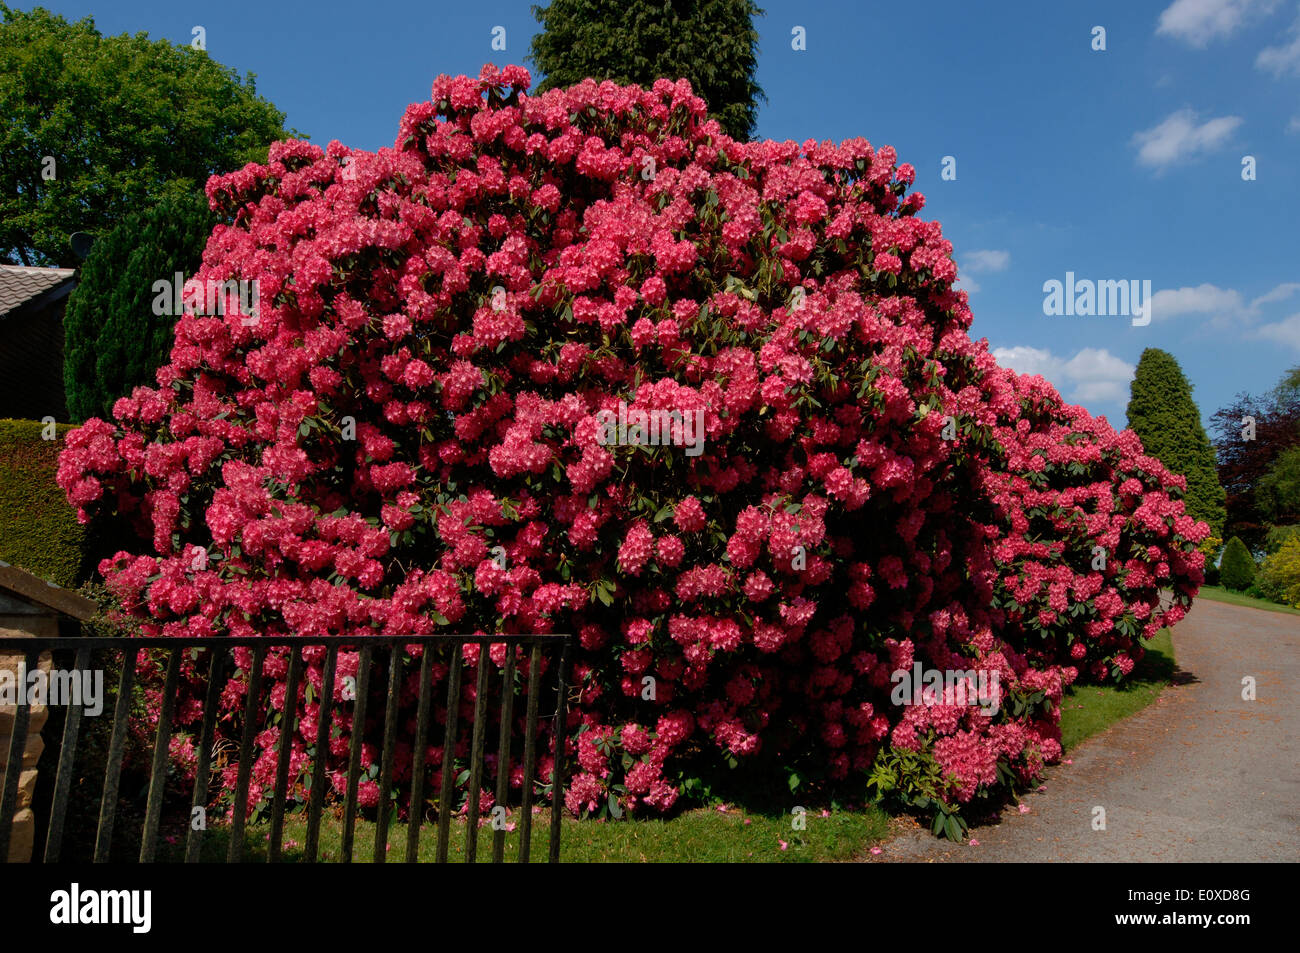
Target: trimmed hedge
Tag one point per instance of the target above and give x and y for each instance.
(1237, 568)
(39, 531)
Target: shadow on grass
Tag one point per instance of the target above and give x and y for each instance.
(1158, 666)
(1087, 710)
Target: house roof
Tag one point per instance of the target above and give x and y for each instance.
(21, 285)
(35, 589)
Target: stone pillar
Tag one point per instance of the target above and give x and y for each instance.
(17, 620)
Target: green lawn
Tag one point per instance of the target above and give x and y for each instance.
(1219, 594)
(1088, 709)
(697, 836)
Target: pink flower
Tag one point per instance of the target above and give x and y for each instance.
(411, 439)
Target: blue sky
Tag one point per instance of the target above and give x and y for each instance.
(1115, 164)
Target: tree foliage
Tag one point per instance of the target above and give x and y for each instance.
(1278, 535)
(113, 340)
(1237, 568)
(1161, 411)
(126, 121)
(1277, 494)
(1246, 454)
(712, 43)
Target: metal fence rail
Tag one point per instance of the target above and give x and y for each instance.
(219, 652)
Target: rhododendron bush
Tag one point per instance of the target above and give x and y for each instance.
(1094, 535)
(408, 437)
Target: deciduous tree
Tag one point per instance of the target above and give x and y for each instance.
(98, 127)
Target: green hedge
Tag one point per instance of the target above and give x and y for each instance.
(39, 531)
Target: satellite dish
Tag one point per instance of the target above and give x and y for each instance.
(81, 242)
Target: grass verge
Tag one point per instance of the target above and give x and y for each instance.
(1219, 594)
(695, 836)
(1088, 709)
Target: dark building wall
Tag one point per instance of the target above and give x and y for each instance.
(31, 363)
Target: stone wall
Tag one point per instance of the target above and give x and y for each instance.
(19, 620)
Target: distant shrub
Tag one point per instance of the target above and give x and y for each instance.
(1237, 568)
(1278, 578)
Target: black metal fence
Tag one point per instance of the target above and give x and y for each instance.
(218, 653)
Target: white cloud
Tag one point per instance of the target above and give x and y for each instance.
(1028, 360)
(1093, 375)
(1294, 124)
(1280, 293)
(1280, 60)
(967, 284)
(1285, 332)
(1203, 299)
(1225, 307)
(986, 260)
(1197, 22)
(1181, 136)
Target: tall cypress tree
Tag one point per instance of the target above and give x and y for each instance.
(113, 342)
(712, 43)
(1161, 411)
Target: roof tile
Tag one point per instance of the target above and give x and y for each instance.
(20, 284)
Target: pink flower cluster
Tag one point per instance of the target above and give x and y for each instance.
(408, 441)
(1093, 532)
